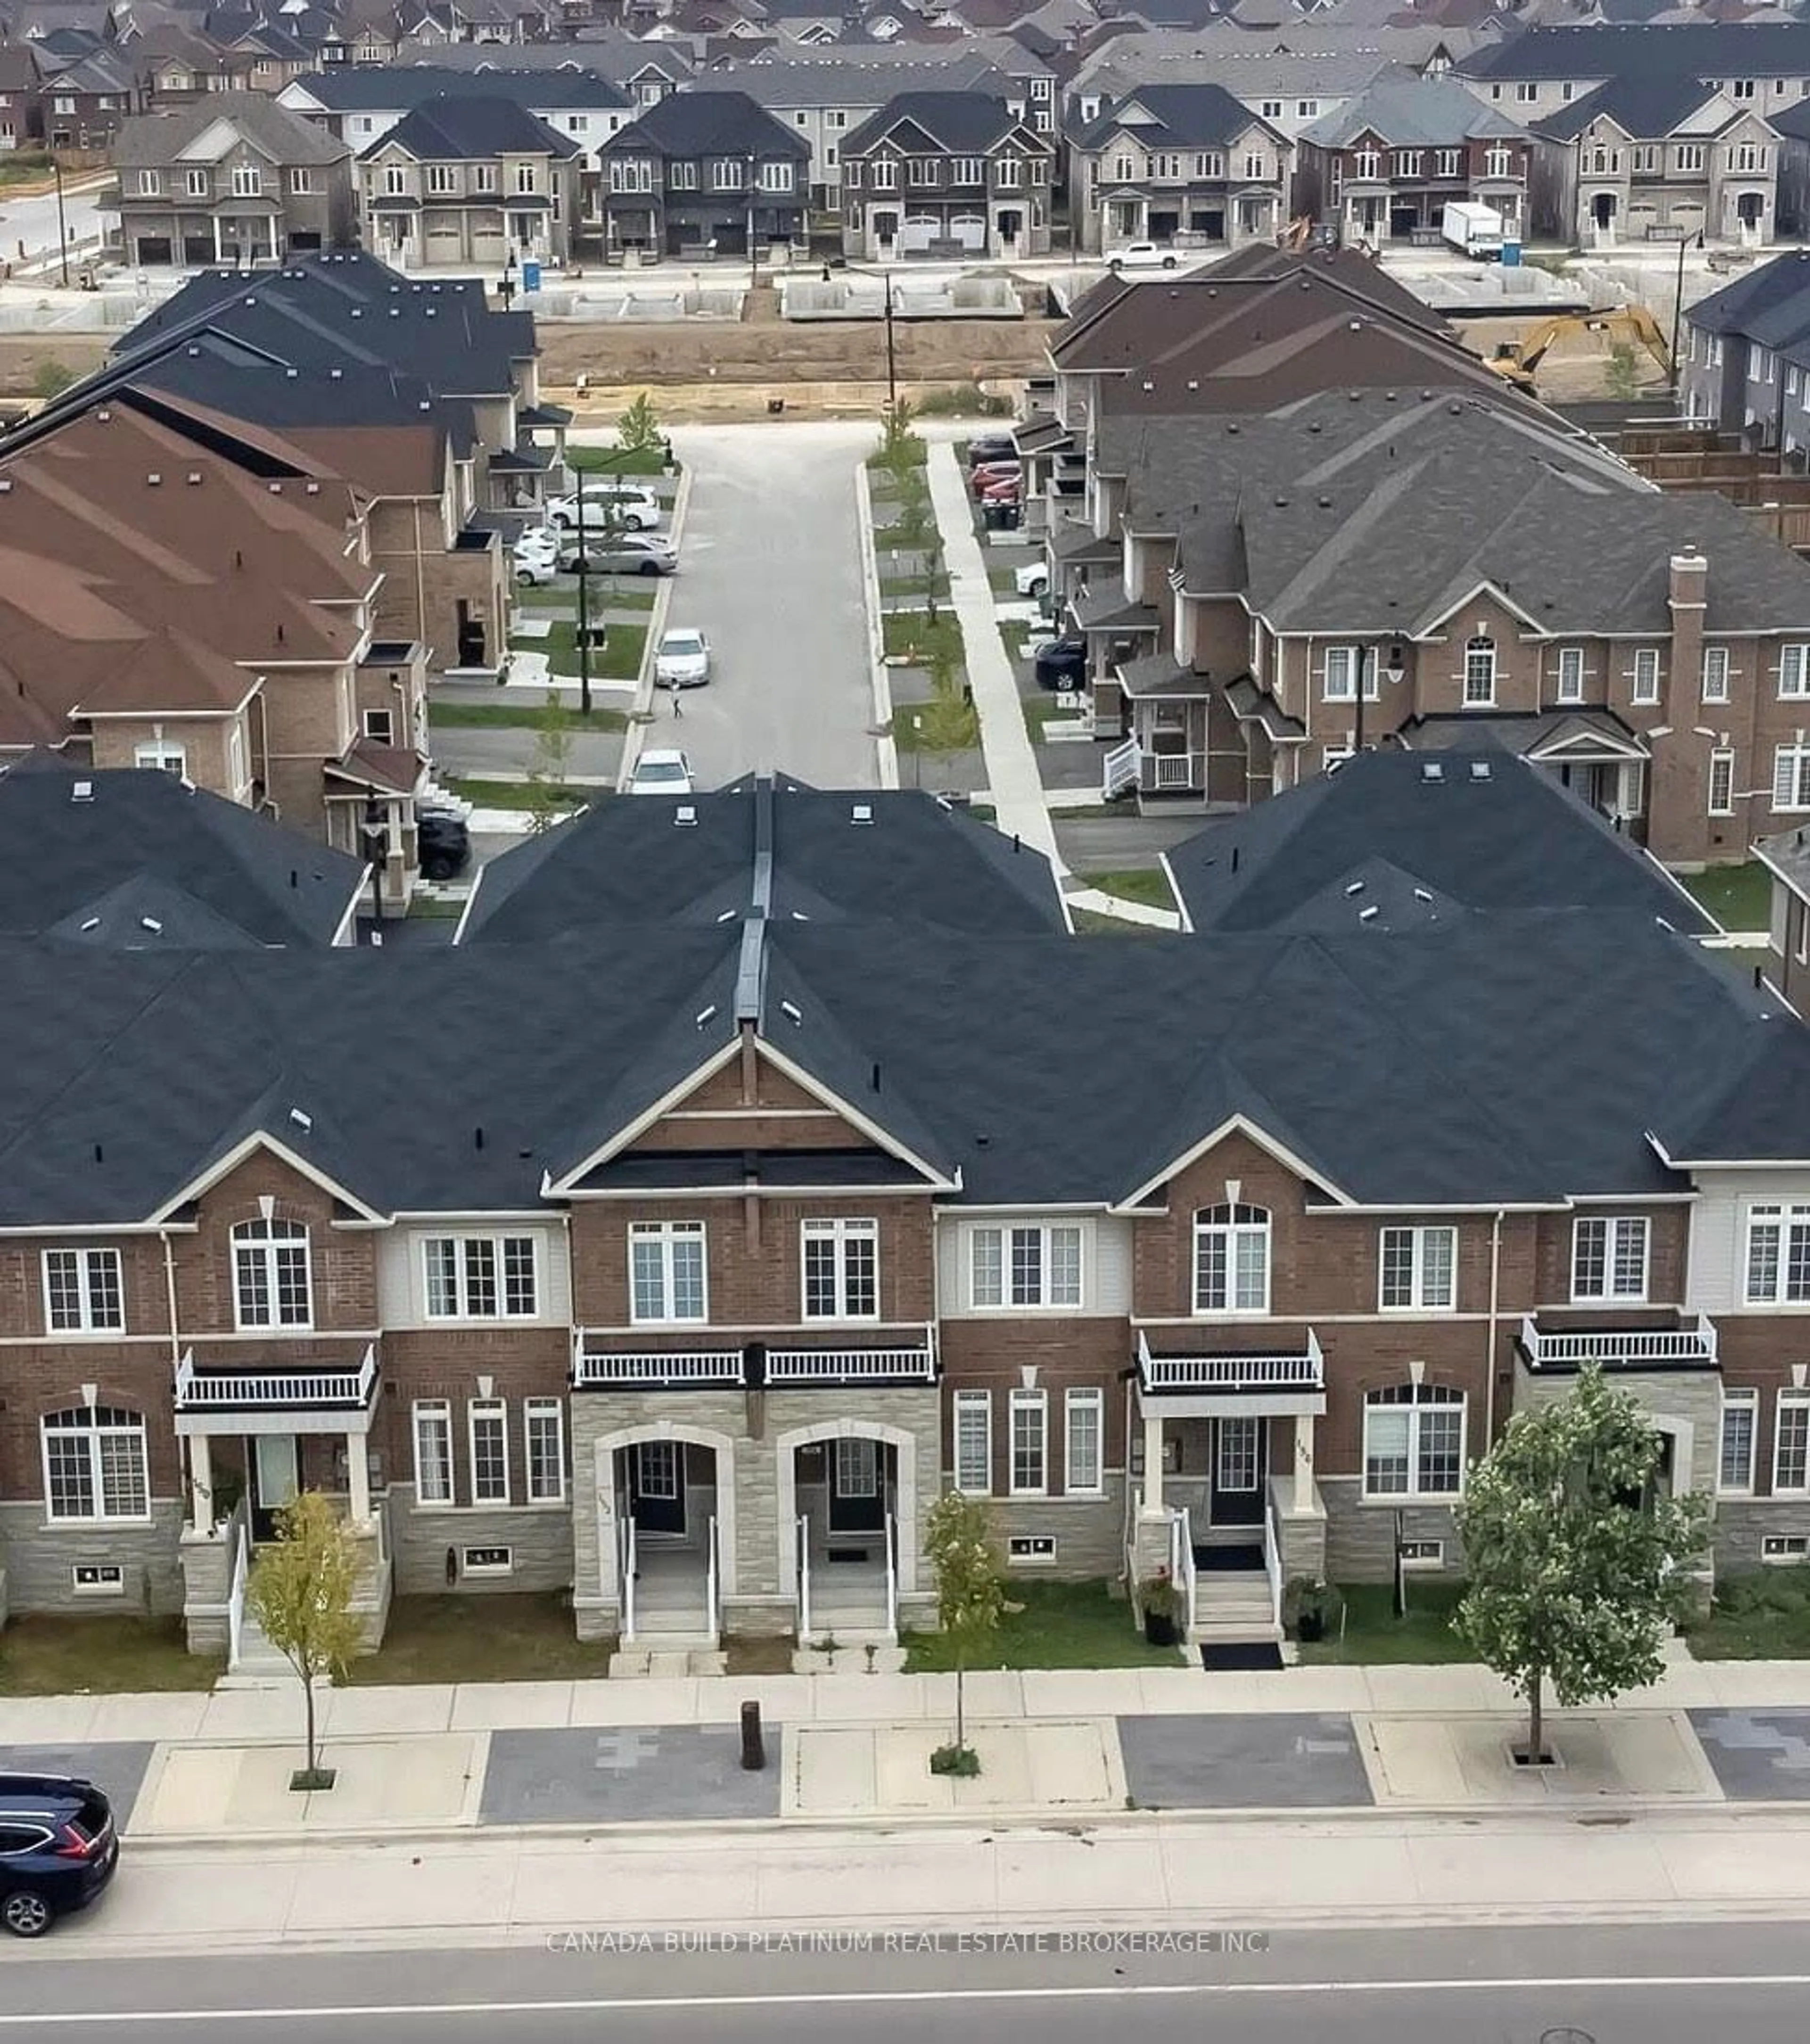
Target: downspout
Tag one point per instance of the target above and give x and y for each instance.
(1125, 1528)
(176, 1361)
(422, 585)
(1495, 1302)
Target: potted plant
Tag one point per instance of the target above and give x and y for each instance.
(1316, 1609)
(1161, 1603)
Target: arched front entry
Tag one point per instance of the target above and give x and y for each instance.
(628, 1483)
(890, 1453)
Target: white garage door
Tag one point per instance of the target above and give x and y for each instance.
(920, 230)
(969, 229)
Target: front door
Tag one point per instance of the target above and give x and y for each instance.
(856, 1505)
(656, 1486)
(1236, 1479)
(275, 1480)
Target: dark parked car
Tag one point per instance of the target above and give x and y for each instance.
(444, 843)
(1061, 664)
(58, 1849)
(992, 447)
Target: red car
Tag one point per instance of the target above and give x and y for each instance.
(1007, 489)
(988, 472)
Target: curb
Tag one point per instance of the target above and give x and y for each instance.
(885, 743)
(641, 709)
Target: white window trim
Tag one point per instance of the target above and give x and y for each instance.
(838, 1233)
(1569, 685)
(1722, 756)
(1785, 1215)
(87, 1325)
(1794, 672)
(477, 1409)
(92, 1435)
(538, 1412)
(1002, 1232)
(1644, 682)
(1743, 1401)
(461, 1282)
(439, 1412)
(1789, 1402)
(1414, 1408)
(667, 1233)
(1614, 1223)
(1039, 1403)
(1418, 1302)
(974, 1404)
(160, 756)
(1084, 1398)
(247, 1235)
(1233, 1230)
(1715, 661)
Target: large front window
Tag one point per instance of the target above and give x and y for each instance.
(487, 1425)
(270, 1286)
(1779, 1255)
(95, 1465)
(83, 1293)
(1740, 1424)
(433, 1451)
(1791, 1443)
(480, 1277)
(1608, 1258)
(1232, 1260)
(1413, 1441)
(1028, 1266)
(1479, 672)
(1030, 1443)
(974, 1442)
(1418, 1266)
(666, 1271)
(842, 1269)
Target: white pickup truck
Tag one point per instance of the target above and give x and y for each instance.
(1140, 255)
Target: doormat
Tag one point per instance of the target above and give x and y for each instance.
(848, 1553)
(1223, 1657)
(1228, 1561)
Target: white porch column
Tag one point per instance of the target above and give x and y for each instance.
(358, 1479)
(201, 1484)
(1153, 1464)
(219, 253)
(1303, 1461)
(275, 251)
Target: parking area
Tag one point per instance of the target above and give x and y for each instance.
(626, 1774)
(1757, 1756)
(1288, 1760)
(117, 1766)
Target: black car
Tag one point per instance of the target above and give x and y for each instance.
(58, 1849)
(1061, 664)
(444, 843)
(992, 447)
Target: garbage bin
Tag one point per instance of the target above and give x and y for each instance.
(1510, 256)
(774, 407)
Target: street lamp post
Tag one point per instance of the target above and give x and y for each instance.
(62, 219)
(892, 359)
(1678, 306)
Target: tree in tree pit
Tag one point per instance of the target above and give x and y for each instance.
(301, 1593)
(1576, 1557)
(970, 1599)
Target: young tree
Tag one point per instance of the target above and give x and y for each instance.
(970, 1599)
(638, 430)
(1576, 1560)
(552, 757)
(301, 1593)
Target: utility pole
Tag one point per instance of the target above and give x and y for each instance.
(1358, 732)
(62, 219)
(1678, 306)
(891, 361)
(584, 607)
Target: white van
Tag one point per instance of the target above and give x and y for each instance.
(630, 507)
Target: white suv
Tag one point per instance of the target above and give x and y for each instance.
(623, 507)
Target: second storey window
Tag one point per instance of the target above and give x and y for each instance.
(1715, 674)
(1365, 163)
(247, 181)
(1418, 1269)
(480, 1277)
(885, 174)
(922, 171)
(1450, 163)
(1571, 674)
(1480, 671)
(1498, 162)
(1413, 1441)
(270, 1286)
(1779, 1255)
(395, 180)
(1025, 1266)
(1794, 670)
(198, 184)
(967, 171)
(683, 176)
(150, 183)
(443, 177)
(1232, 1260)
(527, 177)
(1608, 1258)
(666, 1271)
(302, 184)
(842, 1269)
(83, 1293)
(1647, 675)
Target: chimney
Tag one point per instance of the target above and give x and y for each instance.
(1688, 593)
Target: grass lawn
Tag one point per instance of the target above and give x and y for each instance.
(514, 794)
(649, 461)
(511, 1637)
(43, 1655)
(514, 716)
(1739, 897)
(1042, 709)
(1373, 1633)
(1765, 1616)
(1143, 884)
(914, 585)
(933, 727)
(603, 596)
(434, 908)
(619, 660)
(1060, 1625)
(911, 632)
(1088, 924)
(918, 454)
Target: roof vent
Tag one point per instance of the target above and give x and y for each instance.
(1281, 503)
(93, 923)
(863, 812)
(292, 374)
(193, 477)
(1148, 384)
(1325, 503)
(1233, 426)
(103, 415)
(5, 485)
(1431, 769)
(684, 817)
(1480, 770)
(304, 1122)
(153, 478)
(1368, 914)
(83, 791)
(151, 923)
(728, 915)
(276, 489)
(703, 1015)
(798, 916)
(793, 1013)
(1354, 887)
(1421, 894)
(335, 373)
(195, 351)
(313, 488)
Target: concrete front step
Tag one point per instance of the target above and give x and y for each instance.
(1233, 1634)
(656, 1642)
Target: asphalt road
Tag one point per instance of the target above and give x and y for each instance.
(1659, 1984)
(771, 572)
(32, 221)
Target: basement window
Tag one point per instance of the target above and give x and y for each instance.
(488, 1562)
(1423, 1554)
(97, 1579)
(1781, 1548)
(1031, 1549)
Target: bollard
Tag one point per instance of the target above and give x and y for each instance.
(754, 1746)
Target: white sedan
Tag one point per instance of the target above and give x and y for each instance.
(660, 772)
(1032, 579)
(682, 660)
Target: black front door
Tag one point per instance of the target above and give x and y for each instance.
(1240, 1462)
(857, 1500)
(656, 1486)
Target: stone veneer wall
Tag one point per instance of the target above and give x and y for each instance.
(1740, 1522)
(206, 1563)
(1360, 1537)
(39, 1559)
(1090, 1533)
(540, 1537)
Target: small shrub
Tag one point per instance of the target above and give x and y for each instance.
(50, 378)
(957, 1760)
(962, 401)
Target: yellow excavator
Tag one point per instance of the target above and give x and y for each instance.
(1515, 361)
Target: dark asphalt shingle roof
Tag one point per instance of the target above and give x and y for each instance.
(960, 124)
(1644, 105)
(467, 127)
(705, 123)
(1180, 116)
(356, 88)
(1705, 49)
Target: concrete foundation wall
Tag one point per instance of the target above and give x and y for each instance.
(539, 1537)
(40, 1558)
(1360, 1537)
(1741, 1522)
(206, 1563)
(1090, 1533)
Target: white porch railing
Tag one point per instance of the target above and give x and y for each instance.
(1170, 771)
(892, 1576)
(1273, 1560)
(1619, 1348)
(236, 1596)
(1119, 771)
(711, 1582)
(625, 1576)
(1303, 1371)
(802, 1534)
(274, 1390)
(852, 1365)
(591, 1368)
(1181, 1557)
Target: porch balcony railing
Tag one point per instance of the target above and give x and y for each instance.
(893, 1355)
(1303, 1370)
(1121, 769)
(1620, 1348)
(913, 1361)
(201, 1390)
(695, 1368)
